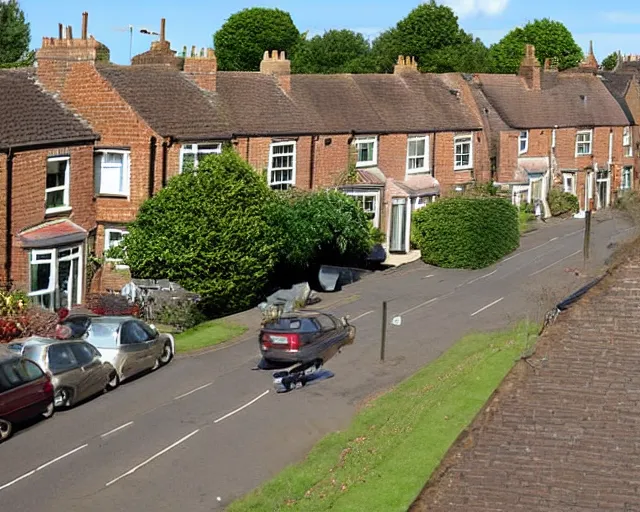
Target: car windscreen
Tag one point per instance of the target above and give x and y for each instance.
(292, 324)
(103, 334)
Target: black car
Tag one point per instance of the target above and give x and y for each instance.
(304, 337)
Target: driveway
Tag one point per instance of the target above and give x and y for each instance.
(204, 430)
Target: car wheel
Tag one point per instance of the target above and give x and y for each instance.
(5, 430)
(167, 354)
(114, 381)
(62, 398)
(49, 411)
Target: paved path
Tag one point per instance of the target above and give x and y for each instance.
(210, 427)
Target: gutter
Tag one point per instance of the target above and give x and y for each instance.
(312, 157)
(165, 150)
(9, 210)
(40, 145)
(152, 164)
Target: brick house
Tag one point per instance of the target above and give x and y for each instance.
(551, 129)
(46, 169)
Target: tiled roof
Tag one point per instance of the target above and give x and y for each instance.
(169, 101)
(560, 434)
(618, 84)
(29, 115)
(564, 100)
(53, 233)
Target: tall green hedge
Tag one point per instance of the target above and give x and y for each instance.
(466, 232)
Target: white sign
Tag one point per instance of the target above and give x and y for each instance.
(397, 320)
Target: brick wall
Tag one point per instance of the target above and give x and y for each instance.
(3, 209)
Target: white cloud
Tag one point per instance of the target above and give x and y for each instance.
(465, 8)
(626, 18)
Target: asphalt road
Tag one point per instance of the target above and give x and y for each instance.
(204, 430)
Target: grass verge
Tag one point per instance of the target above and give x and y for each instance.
(206, 335)
(524, 221)
(382, 461)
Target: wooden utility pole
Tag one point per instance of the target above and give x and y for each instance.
(587, 231)
(383, 334)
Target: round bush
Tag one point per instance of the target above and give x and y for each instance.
(562, 202)
(208, 231)
(466, 232)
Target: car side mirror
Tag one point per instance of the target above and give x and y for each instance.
(345, 320)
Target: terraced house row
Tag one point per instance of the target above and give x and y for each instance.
(84, 142)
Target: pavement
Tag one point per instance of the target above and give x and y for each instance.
(206, 429)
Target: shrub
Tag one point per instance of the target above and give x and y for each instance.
(324, 227)
(111, 304)
(208, 231)
(466, 232)
(181, 314)
(562, 202)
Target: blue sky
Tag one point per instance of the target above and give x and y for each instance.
(192, 22)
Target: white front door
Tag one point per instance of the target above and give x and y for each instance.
(56, 277)
(398, 232)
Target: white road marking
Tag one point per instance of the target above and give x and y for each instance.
(488, 306)
(553, 264)
(162, 452)
(193, 391)
(362, 316)
(429, 276)
(542, 245)
(241, 408)
(482, 277)
(430, 301)
(46, 464)
(116, 429)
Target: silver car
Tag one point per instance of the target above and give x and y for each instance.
(77, 369)
(130, 345)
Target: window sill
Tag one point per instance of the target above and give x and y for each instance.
(112, 196)
(460, 169)
(366, 164)
(418, 172)
(57, 210)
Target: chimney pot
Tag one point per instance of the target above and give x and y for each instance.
(162, 29)
(193, 51)
(85, 24)
(60, 31)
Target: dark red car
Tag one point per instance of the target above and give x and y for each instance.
(26, 392)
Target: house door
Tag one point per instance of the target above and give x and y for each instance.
(602, 189)
(68, 278)
(56, 277)
(398, 225)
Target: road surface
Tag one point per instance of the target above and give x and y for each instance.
(204, 430)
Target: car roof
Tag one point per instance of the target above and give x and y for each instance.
(7, 355)
(36, 340)
(113, 319)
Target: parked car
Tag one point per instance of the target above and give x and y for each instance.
(26, 392)
(77, 368)
(129, 344)
(304, 337)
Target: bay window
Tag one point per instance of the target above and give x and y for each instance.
(112, 169)
(55, 277)
(369, 202)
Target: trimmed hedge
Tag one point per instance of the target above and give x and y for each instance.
(466, 232)
(562, 202)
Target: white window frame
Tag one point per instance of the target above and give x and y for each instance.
(425, 168)
(630, 187)
(271, 169)
(523, 137)
(627, 141)
(126, 172)
(573, 188)
(588, 143)
(53, 261)
(107, 246)
(458, 141)
(367, 140)
(368, 193)
(65, 188)
(194, 149)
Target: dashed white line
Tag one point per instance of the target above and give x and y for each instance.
(193, 391)
(241, 408)
(116, 429)
(553, 264)
(430, 301)
(542, 245)
(482, 277)
(39, 468)
(429, 276)
(488, 306)
(362, 315)
(162, 452)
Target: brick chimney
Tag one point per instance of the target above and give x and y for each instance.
(202, 68)
(57, 55)
(405, 65)
(160, 52)
(550, 64)
(276, 63)
(590, 61)
(530, 68)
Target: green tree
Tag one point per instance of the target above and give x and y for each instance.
(610, 61)
(15, 36)
(431, 34)
(551, 39)
(246, 35)
(208, 230)
(336, 51)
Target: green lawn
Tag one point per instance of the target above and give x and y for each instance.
(207, 334)
(382, 461)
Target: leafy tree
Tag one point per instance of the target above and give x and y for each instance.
(336, 51)
(246, 35)
(208, 230)
(15, 36)
(610, 61)
(551, 39)
(431, 34)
